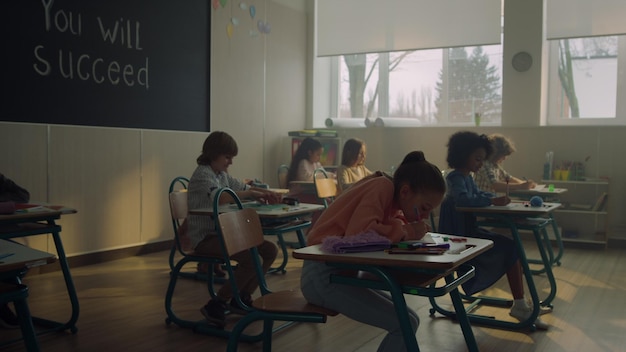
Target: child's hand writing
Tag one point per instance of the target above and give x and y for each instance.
(265, 196)
(416, 230)
(504, 200)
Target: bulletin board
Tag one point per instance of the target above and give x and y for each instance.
(116, 63)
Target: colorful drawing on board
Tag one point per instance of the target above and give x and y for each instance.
(252, 11)
(216, 4)
(243, 6)
(223, 2)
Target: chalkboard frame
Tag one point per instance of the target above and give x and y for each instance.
(154, 75)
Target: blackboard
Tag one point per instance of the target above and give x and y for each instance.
(115, 63)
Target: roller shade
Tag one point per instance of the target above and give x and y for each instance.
(368, 26)
(584, 18)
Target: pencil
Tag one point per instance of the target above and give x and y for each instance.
(507, 187)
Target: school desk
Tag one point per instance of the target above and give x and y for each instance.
(14, 259)
(515, 216)
(38, 219)
(547, 195)
(423, 268)
(277, 219)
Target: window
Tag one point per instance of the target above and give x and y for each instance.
(584, 83)
(436, 87)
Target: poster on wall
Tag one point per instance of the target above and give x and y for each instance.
(115, 63)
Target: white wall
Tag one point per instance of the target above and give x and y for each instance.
(118, 178)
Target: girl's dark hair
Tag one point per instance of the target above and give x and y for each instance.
(216, 144)
(351, 150)
(306, 146)
(419, 174)
(462, 144)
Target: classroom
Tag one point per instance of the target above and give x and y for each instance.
(257, 88)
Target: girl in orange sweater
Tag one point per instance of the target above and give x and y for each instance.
(392, 207)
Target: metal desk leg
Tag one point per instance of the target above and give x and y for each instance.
(461, 315)
(559, 241)
(547, 267)
(283, 248)
(69, 284)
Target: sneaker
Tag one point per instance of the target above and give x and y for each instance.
(8, 319)
(522, 313)
(215, 312)
(237, 309)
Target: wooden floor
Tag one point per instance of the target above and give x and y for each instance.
(122, 308)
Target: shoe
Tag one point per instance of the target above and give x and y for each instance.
(8, 319)
(215, 312)
(522, 313)
(237, 309)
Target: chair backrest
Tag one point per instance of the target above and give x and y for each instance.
(325, 187)
(239, 230)
(178, 210)
(283, 170)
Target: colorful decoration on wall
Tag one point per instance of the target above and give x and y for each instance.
(234, 23)
(263, 27)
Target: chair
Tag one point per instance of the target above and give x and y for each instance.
(179, 183)
(241, 230)
(178, 209)
(283, 170)
(18, 293)
(325, 187)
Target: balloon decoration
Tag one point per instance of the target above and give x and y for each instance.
(243, 6)
(216, 4)
(223, 2)
(263, 27)
(229, 30)
(252, 11)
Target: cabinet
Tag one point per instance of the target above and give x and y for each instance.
(583, 216)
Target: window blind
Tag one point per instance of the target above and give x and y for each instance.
(584, 18)
(368, 26)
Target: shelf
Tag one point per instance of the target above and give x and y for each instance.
(575, 211)
(582, 240)
(592, 182)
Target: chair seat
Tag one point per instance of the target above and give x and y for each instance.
(289, 301)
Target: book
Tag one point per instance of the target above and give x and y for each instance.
(600, 202)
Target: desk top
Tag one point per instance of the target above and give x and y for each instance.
(449, 260)
(539, 191)
(26, 212)
(22, 257)
(517, 208)
(265, 210)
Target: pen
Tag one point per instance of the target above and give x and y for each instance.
(5, 255)
(416, 251)
(417, 213)
(414, 245)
